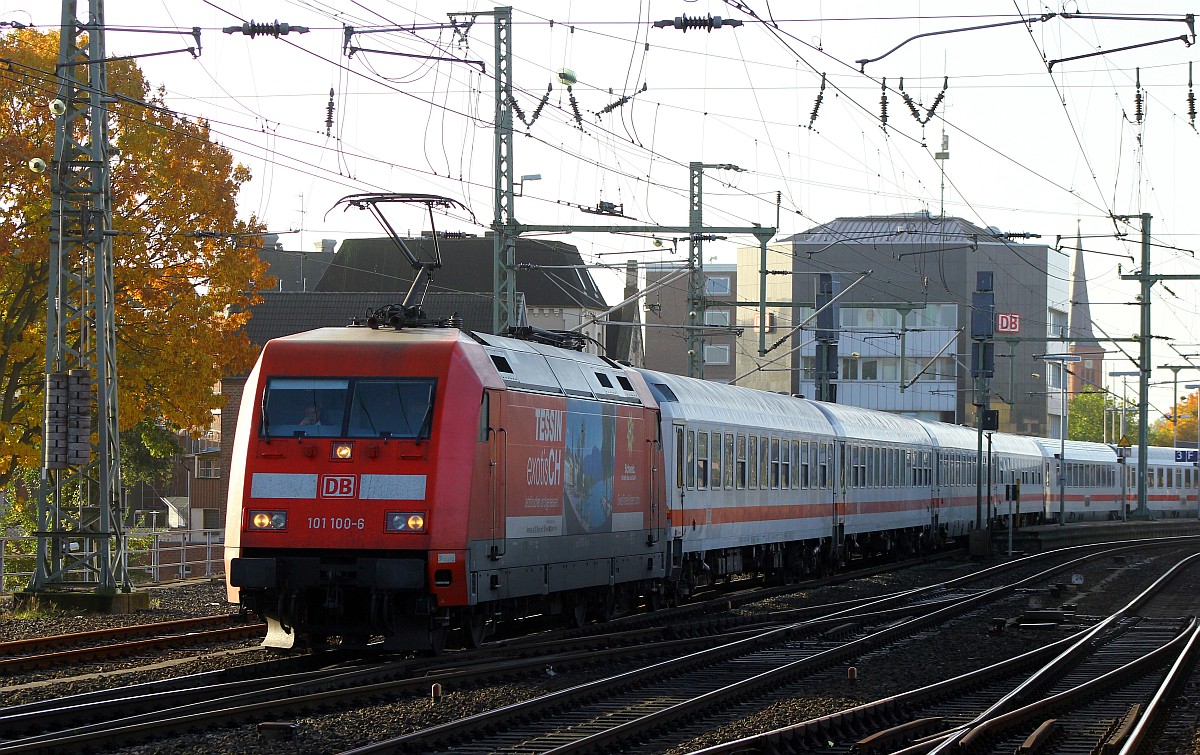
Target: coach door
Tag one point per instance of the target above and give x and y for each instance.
(653, 451)
(497, 465)
(935, 497)
(681, 466)
(839, 496)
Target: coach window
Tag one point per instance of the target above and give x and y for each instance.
(691, 459)
(752, 464)
(796, 465)
(701, 460)
(716, 461)
(729, 461)
(784, 467)
(1160, 477)
(740, 476)
(823, 466)
(764, 462)
(774, 463)
(804, 465)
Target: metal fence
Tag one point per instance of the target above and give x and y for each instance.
(155, 556)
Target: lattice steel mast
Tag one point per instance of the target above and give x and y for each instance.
(81, 542)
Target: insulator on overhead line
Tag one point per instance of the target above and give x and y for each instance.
(1137, 98)
(883, 105)
(812, 118)
(1191, 98)
(329, 114)
(274, 29)
(708, 23)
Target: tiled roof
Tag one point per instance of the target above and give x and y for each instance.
(285, 313)
(556, 278)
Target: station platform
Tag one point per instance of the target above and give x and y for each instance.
(1045, 537)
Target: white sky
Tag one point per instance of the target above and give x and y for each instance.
(1029, 150)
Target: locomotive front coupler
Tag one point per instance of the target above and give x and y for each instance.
(334, 602)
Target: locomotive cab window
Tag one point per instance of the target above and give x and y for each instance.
(391, 409)
(332, 407)
(304, 406)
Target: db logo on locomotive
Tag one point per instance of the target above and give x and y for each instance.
(338, 485)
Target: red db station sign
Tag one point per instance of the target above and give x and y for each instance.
(1008, 322)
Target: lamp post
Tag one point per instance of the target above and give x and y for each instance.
(1175, 368)
(1124, 392)
(1062, 360)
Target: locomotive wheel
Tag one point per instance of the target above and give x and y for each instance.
(579, 611)
(477, 629)
(437, 641)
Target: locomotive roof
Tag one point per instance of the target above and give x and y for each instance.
(381, 337)
(538, 367)
(706, 401)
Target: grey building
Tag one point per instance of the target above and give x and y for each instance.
(669, 320)
(558, 289)
(904, 330)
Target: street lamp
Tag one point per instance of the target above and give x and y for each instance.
(1124, 392)
(1175, 368)
(1062, 360)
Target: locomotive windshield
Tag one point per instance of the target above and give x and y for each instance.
(338, 407)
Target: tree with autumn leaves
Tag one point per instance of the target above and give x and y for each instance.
(1088, 415)
(186, 268)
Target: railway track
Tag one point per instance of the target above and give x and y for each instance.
(119, 717)
(31, 654)
(1099, 690)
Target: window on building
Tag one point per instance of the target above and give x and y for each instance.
(716, 285)
(1057, 324)
(213, 519)
(717, 317)
(208, 467)
(716, 354)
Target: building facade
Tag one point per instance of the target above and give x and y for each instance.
(904, 325)
(669, 321)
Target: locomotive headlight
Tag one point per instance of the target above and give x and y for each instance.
(405, 521)
(343, 451)
(268, 520)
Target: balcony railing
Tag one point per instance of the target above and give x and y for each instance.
(209, 442)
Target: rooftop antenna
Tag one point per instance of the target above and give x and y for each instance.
(942, 156)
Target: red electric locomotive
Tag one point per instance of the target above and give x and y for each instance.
(405, 482)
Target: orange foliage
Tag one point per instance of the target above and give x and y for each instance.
(176, 287)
